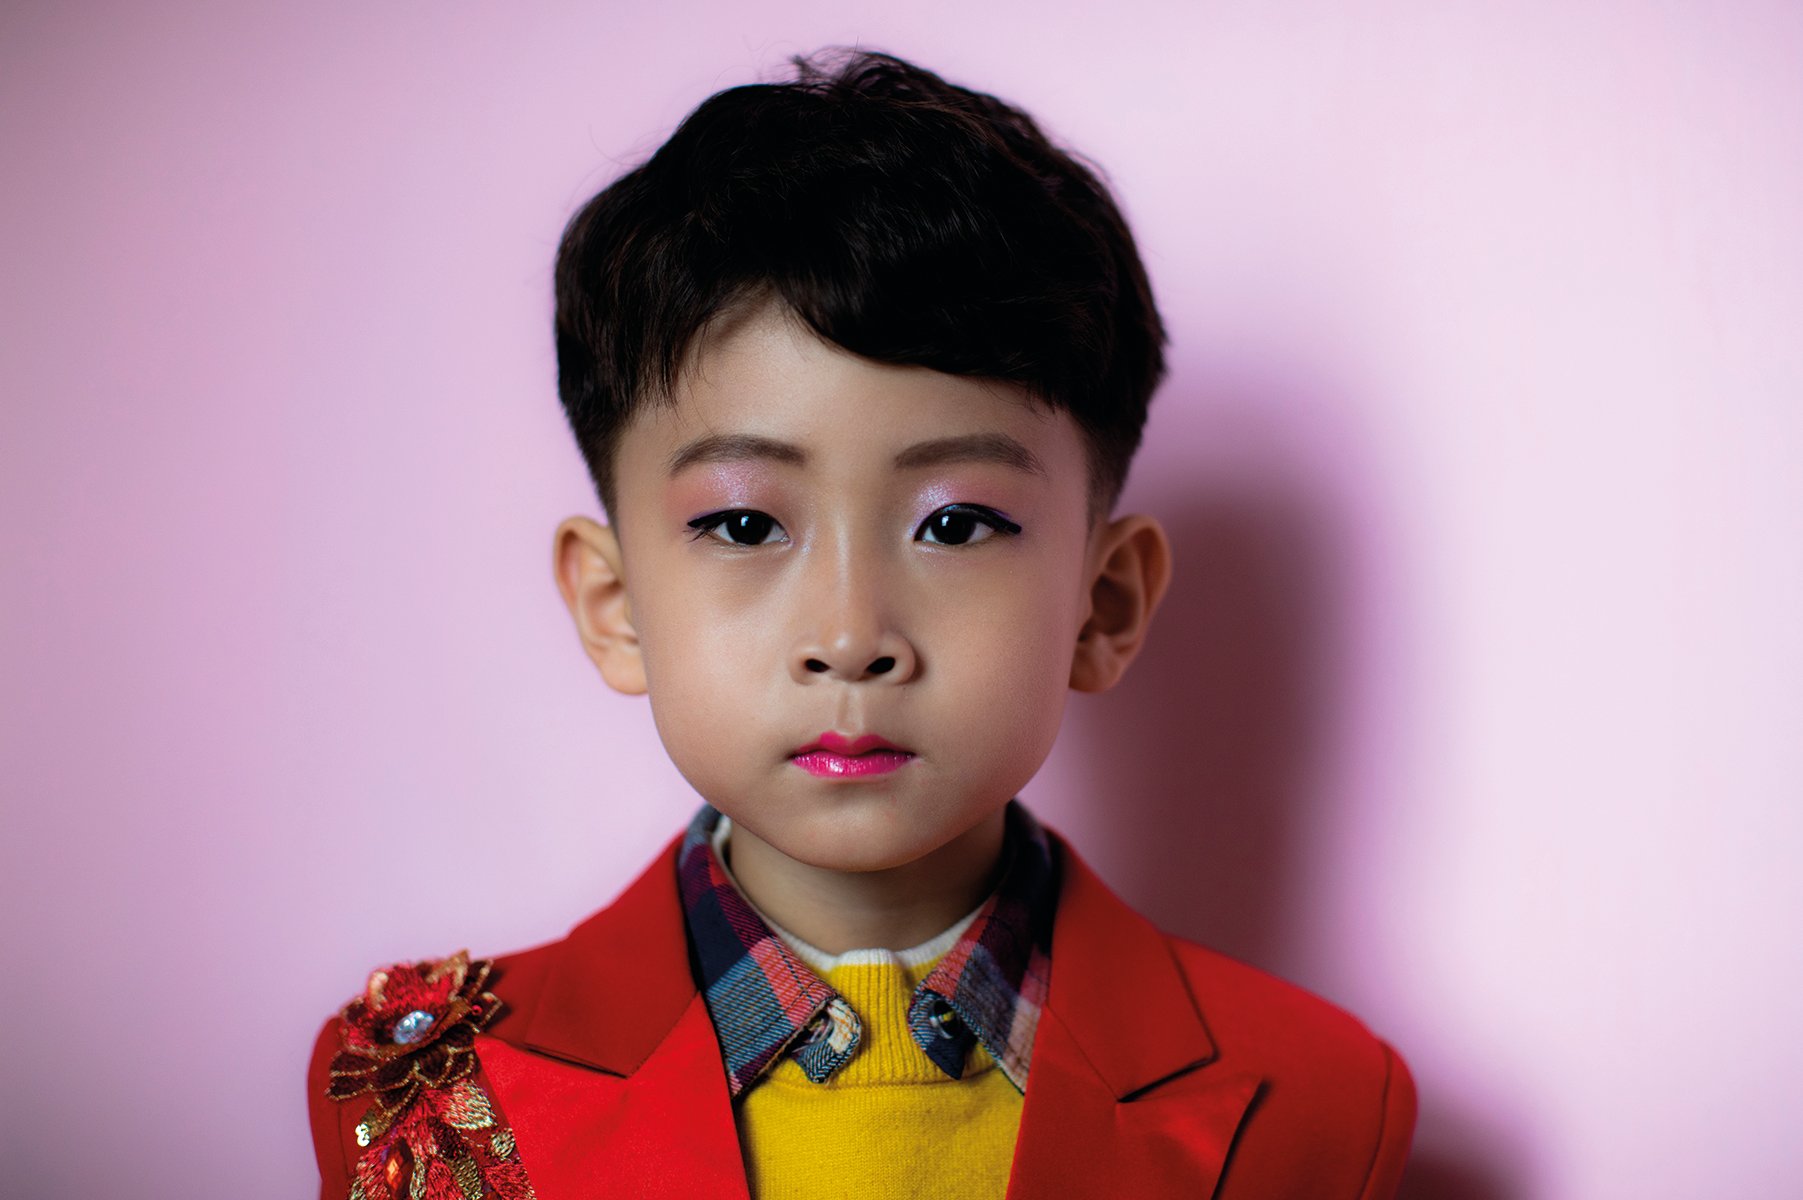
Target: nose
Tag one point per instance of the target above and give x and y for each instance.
(850, 632)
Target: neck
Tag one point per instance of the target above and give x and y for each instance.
(891, 909)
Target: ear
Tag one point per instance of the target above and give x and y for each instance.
(585, 557)
(1129, 568)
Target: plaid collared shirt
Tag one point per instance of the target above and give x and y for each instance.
(765, 1001)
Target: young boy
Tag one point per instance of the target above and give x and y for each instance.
(858, 363)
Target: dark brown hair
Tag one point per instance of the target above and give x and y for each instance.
(904, 218)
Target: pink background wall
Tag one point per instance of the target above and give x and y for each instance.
(1479, 452)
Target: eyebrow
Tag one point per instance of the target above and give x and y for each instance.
(996, 448)
(734, 447)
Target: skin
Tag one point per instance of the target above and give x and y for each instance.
(851, 612)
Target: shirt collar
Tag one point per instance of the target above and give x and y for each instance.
(822, 961)
(765, 1001)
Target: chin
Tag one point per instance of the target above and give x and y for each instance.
(860, 839)
(850, 855)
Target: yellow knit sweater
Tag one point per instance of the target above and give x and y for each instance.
(888, 1123)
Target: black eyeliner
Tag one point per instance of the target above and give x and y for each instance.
(701, 525)
(1002, 523)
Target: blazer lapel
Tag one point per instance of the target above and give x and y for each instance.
(618, 1088)
(1119, 1099)
(667, 1131)
(615, 1085)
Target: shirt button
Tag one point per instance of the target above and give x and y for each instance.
(944, 1019)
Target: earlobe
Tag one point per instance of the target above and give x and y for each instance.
(1130, 568)
(586, 561)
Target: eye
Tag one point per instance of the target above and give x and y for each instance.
(738, 527)
(957, 524)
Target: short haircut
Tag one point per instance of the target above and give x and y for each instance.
(902, 217)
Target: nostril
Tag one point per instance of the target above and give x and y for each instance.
(815, 665)
(882, 665)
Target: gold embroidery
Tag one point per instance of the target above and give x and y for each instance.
(409, 1043)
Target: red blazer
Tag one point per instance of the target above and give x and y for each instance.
(1160, 1068)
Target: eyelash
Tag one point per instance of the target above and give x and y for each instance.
(1001, 526)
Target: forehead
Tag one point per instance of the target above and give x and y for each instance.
(765, 388)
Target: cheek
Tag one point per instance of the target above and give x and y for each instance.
(701, 653)
(1007, 648)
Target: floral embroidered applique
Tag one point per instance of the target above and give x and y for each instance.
(431, 1132)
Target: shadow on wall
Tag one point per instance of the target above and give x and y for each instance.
(1213, 736)
(1432, 1177)
(1457, 1158)
(1216, 740)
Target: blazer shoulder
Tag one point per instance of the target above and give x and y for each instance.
(1330, 1083)
(410, 1042)
(493, 996)
(331, 1121)
(1245, 1004)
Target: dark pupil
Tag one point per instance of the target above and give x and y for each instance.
(748, 528)
(954, 527)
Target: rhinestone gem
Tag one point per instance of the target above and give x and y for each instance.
(412, 1027)
(397, 1169)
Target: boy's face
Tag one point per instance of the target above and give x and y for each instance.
(903, 553)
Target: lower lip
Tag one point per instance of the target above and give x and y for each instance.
(841, 766)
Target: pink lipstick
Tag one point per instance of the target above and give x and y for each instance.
(834, 755)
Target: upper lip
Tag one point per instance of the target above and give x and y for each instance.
(838, 743)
